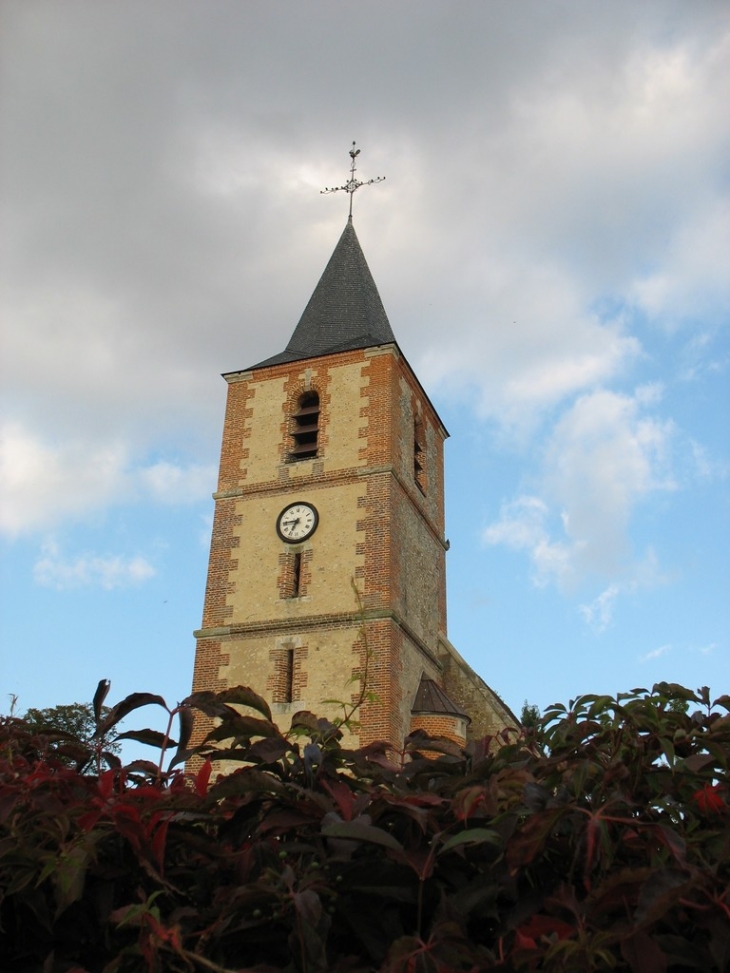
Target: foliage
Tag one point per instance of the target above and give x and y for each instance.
(71, 723)
(530, 715)
(599, 840)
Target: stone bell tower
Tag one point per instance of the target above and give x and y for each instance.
(327, 558)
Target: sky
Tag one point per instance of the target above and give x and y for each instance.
(552, 247)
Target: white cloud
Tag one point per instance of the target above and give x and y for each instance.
(701, 357)
(535, 344)
(655, 653)
(206, 530)
(530, 174)
(607, 190)
(522, 526)
(170, 483)
(702, 465)
(643, 574)
(707, 649)
(603, 458)
(693, 283)
(664, 649)
(43, 484)
(599, 613)
(534, 179)
(53, 570)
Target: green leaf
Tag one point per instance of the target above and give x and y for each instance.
(673, 841)
(70, 877)
(218, 705)
(474, 836)
(243, 696)
(697, 761)
(100, 695)
(235, 725)
(673, 690)
(269, 750)
(668, 748)
(660, 892)
(152, 738)
(186, 722)
(126, 706)
(247, 781)
(358, 831)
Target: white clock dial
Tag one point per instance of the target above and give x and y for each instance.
(297, 522)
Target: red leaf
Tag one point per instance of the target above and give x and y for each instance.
(709, 799)
(539, 925)
(158, 845)
(202, 778)
(106, 784)
(643, 955)
(468, 801)
(87, 822)
(524, 942)
(343, 796)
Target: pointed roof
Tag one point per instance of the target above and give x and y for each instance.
(431, 698)
(344, 312)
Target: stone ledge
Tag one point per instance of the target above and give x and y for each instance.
(310, 622)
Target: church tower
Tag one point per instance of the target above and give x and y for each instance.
(327, 562)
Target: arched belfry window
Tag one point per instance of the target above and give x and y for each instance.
(305, 427)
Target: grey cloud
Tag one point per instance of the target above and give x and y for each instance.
(161, 165)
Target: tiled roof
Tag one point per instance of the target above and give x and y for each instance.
(344, 312)
(430, 698)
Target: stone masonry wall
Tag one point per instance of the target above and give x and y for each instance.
(378, 527)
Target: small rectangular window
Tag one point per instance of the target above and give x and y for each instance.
(289, 676)
(296, 575)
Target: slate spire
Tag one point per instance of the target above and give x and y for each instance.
(344, 312)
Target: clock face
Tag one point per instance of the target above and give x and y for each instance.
(297, 522)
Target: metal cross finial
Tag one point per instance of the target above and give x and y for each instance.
(352, 184)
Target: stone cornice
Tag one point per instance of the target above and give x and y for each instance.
(277, 488)
(281, 626)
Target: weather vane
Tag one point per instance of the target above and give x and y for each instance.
(352, 184)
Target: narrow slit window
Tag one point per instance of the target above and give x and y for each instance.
(296, 575)
(289, 676)
(419, 458)
(305, 427)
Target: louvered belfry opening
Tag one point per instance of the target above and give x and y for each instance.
(305, 427)
(419, 474)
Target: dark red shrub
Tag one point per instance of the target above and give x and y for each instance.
(598, 840)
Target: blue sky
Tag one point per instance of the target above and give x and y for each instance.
(551, 245)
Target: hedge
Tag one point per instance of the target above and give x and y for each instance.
(597, 840)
